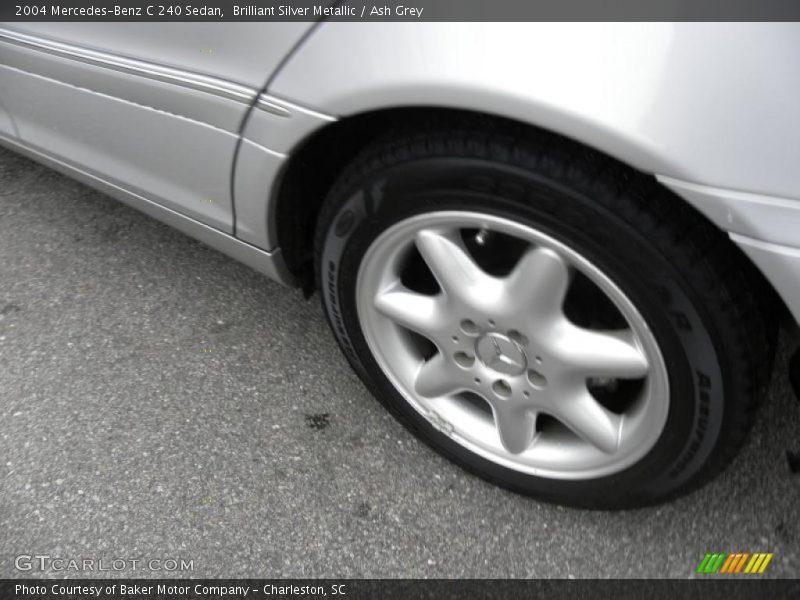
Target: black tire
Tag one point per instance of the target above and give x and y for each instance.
(685, 277)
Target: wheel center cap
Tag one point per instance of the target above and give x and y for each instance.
(501, 353)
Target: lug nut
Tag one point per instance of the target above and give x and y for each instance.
(501, 388)
(469, 327)
(464, 360)
(536, 379)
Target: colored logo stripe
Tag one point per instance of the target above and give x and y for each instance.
(758, 563)
(710, 563)
(734, 563)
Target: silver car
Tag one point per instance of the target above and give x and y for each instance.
(557, 253)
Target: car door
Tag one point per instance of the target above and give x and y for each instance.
(153, 109)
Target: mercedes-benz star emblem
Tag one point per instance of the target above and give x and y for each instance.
(501, 353)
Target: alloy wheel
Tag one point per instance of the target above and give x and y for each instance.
(513, 344)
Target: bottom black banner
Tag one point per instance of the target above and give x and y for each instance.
(266, 589)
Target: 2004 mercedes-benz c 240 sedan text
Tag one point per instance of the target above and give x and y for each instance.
(557, 253)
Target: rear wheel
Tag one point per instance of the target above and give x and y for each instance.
(541, 315)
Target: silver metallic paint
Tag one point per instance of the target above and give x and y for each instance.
(68, 63)
(711, 103)
(116, 63)
(259, 167)
(765, 227)
(708, 104)
(243, 53)
(708, 108)
(190, 114)
(179, 162)
(169, 90)
(7, 125)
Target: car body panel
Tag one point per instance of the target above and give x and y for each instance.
(766, 228)
(710, 103)
(158, 112)
(269, 136)
(707, 106)
(7, 125)
(213, 101)
(243, 53)
(165, 130)
(128, 144)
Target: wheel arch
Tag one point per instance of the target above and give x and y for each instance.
(315, 163)
(316, 160)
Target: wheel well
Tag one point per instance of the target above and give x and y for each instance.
(314, 167)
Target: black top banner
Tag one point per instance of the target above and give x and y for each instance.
(400, 10)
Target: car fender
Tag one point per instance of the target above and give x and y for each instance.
(708, 103)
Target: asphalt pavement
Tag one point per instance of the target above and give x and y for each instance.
(159, 401)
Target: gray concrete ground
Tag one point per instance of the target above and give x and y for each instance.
(158, 400)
